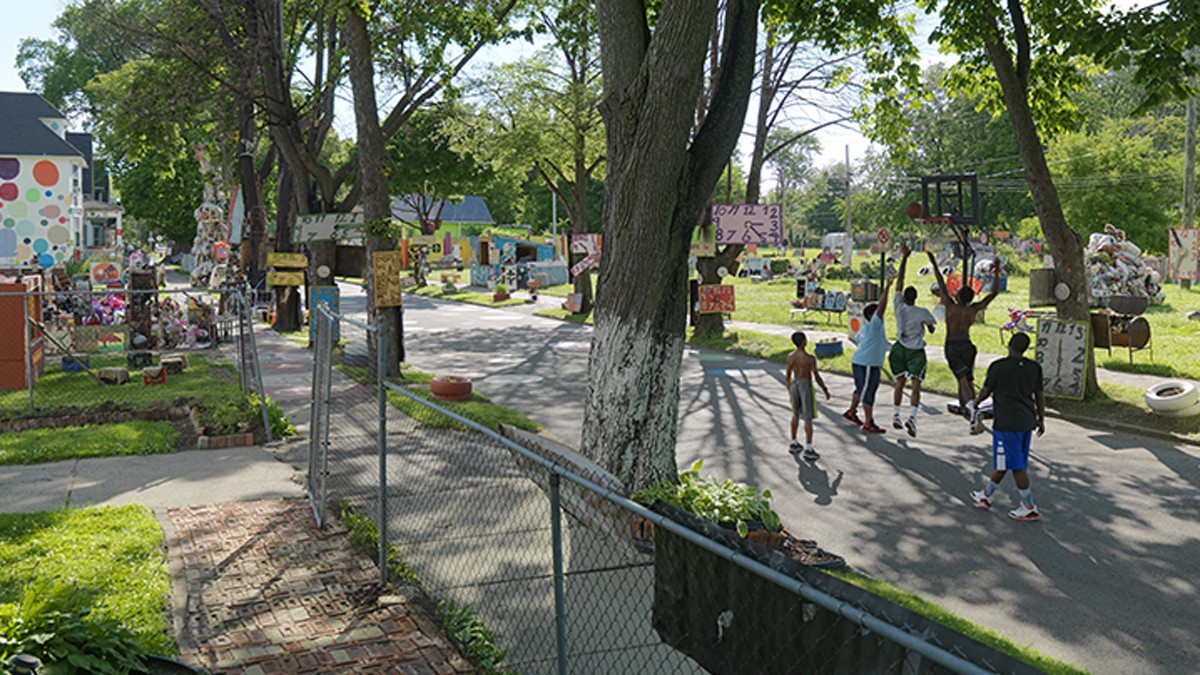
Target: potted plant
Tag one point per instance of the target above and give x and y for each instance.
(734, 506)
(499, 293)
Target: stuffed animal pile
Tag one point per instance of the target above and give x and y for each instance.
(1116, 267)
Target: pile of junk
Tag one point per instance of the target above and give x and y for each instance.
(1117, 268)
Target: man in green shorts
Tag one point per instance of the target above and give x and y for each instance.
(907, 358)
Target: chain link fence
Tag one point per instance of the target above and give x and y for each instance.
(537, 549)
(77, 357)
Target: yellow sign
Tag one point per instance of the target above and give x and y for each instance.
(285, 278)
(387, 279)
(278, 259)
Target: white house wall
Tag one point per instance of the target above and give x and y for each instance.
(41, 218)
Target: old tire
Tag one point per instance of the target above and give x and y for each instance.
(449, 388)
(1173, 397)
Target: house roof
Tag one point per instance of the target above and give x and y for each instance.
(472, 209)
(23, 132)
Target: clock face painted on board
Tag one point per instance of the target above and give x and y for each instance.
(1062, 350)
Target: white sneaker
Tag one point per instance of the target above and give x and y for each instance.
(980, 499)
(896, 422)
(977, 426)
(1023, 512)
(911, 427)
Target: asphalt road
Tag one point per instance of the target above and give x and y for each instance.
(1107, 580)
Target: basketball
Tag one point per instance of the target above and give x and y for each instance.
(913, 210)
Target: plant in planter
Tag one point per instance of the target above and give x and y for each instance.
(500, 292)
(735, 506)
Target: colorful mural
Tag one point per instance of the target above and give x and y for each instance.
(37, 210)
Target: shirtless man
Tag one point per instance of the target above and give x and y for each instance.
(960, 351)
(801, 372)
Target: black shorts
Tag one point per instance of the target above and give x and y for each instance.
(960, 354)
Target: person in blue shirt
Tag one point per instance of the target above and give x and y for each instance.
(867, 363)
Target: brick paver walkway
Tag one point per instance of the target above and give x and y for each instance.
(259, 589)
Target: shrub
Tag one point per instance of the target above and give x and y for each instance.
(779, 266)
(226, 417)
(501, 288)
(281, 426)
(53, 622)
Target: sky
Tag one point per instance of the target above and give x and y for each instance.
(20, 19)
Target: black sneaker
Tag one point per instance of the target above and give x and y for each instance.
(811, 455)
(896, 423)
(872, 428)
(911, 427)
(794, 448)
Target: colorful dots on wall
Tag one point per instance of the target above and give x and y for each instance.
(46, 174)
(9, 168)
(9, 192)
(33, 195)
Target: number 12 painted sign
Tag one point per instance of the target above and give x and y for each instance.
(748, 223)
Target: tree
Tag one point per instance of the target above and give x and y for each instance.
(545, 114)
(660, 177)
(426, 169)
(1119, 174)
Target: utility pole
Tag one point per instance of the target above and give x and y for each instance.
(554, 221)
(848, 252)
(1189, 172)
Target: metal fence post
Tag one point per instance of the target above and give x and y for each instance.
(381, 382)
(256, 372)
(29, 351)
(327, 373)
(560, 606)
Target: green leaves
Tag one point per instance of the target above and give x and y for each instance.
(722, 502)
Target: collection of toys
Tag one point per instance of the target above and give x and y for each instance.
(1116, 268)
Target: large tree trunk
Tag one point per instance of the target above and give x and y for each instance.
(287, 299)
(1066, 246)
(659, 181)
(579, 219)
(372, 157)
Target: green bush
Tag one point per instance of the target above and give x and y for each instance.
(53, 621)
(226, 417)
(779, 266)
(281, 426)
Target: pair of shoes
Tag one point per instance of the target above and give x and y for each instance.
(911, 426)
(794, 448)
(1023, 512)
(852, 417)
(811, 455)
(896, 422)
(872, 428)
(981, 500)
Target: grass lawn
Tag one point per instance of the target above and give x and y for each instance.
(953, 621)
(109, 558)
(35, 446)
(203, 381)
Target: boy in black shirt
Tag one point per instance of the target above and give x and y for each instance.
(1019, 408)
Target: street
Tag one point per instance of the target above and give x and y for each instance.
(1107, 579)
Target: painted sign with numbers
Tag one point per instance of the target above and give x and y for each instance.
(1062, 351)
(748, 223)
(716, 299)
